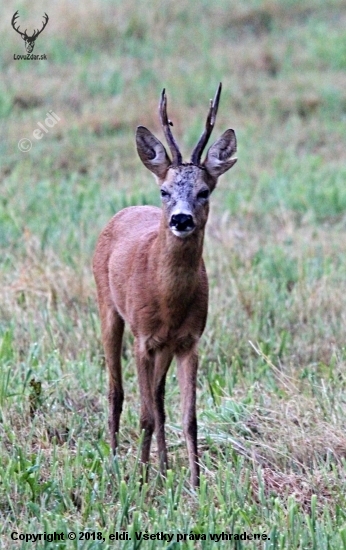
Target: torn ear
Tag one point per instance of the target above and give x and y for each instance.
(219, 157)
(151, 152)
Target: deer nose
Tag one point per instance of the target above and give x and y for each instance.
(182, 222)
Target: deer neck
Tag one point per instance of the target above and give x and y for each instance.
(178, 266)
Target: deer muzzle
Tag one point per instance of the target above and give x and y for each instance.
(182, 224)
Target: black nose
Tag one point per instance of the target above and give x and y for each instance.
(182, 222)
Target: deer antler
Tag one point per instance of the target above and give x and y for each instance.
(14, 18)
(23, 34)
(166, 123)
(37, 32)
(209, 125)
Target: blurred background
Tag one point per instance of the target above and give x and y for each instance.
(275, 244)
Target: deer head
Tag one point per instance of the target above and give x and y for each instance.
(186, 187)
(29, 40)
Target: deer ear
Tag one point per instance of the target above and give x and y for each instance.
(219, 157)
(151, 152)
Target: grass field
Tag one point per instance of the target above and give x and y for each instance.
(272, 380)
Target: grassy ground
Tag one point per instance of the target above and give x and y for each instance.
(272, 385)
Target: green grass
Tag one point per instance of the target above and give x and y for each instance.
(271, 386)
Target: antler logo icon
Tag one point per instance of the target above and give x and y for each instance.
(29, 40)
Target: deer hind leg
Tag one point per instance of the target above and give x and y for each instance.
(187, 376)
(112, 326)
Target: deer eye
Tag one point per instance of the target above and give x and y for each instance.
(203, 194)
(164, 193)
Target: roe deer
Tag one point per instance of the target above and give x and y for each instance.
(150, 274)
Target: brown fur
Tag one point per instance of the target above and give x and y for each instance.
(156, 281)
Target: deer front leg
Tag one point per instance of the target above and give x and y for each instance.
(187, 376)
(145, 370)
(163, 358)
(152, 370)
